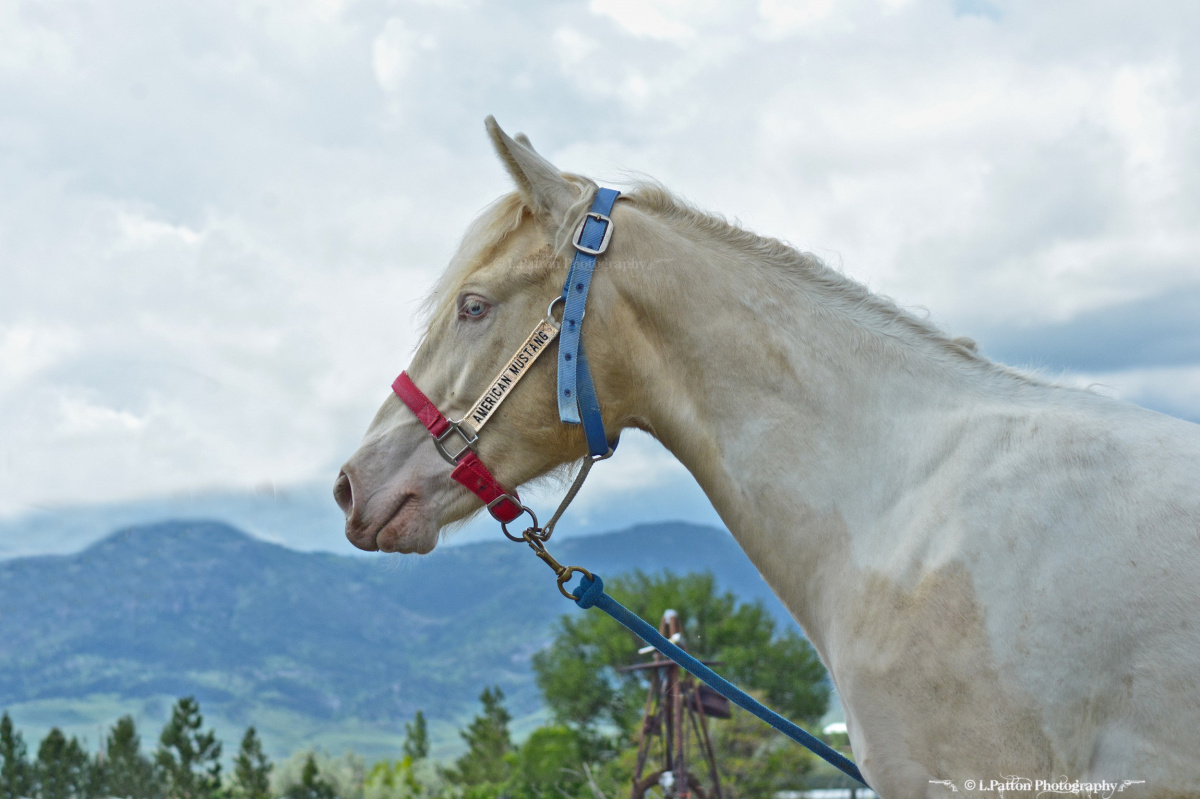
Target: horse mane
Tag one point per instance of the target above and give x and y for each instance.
(836, 291)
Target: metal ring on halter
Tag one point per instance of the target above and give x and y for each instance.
(550, 312)
(503, 524)
(566, 575)
(612, 450)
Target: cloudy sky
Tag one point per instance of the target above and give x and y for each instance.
(217, 218)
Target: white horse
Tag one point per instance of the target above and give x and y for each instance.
(1002, 575)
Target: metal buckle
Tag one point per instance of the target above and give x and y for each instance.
(608, 230)
(491, 509)
(468, 443)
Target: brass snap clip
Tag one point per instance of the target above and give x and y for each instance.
(564, 573)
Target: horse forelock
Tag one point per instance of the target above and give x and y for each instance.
(485, 233)
(488, 232)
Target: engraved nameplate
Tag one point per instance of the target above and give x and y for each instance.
(513, 371)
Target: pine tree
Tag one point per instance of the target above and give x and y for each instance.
(251, 769)
(488, 744)
(188, 761)
(416, 738)
(311, 785)
(124, 770)
(61, 770)
(15, 776)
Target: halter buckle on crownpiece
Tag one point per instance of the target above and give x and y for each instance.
(608, 229)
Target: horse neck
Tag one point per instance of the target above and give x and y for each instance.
(801, 415)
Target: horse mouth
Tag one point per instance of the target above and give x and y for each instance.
(405, 530)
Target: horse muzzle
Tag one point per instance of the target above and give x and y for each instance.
(392, 510)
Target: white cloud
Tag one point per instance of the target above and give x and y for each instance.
(786, 16)
(573, 47)
(81, 418)
(27, 45)
(393, 53)
(654, 19)
(218, 218)
(137, 231)
(27, 349)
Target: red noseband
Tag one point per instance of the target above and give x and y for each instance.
(468, 470)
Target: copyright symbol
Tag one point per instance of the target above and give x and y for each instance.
(969, 785)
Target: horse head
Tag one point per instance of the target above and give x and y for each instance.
(396, 490)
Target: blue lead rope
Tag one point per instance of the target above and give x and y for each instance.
(590, 593)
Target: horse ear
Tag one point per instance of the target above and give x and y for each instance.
(523, 139)
(539, 182)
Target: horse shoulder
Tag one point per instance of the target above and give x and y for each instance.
(996, 628)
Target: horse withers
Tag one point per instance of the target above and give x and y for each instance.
(1001, 574)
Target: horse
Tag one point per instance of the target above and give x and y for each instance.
(1000, 573)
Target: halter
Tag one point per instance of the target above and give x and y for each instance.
(577, 402)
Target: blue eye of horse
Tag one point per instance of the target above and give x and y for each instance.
(474, 308)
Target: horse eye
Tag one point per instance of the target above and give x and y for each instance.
(473, 308)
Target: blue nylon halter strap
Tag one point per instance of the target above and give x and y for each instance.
(577, 402)
(590, 593)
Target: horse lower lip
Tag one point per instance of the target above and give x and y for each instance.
(395, 514)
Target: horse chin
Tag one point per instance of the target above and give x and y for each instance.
(410, 531)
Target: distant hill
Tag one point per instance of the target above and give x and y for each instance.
(314, 649)
(303, 516)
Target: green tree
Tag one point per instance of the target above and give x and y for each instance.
(392, 779)
(416, 738)
(487, 763)
(578, 673)
(343, 776)
(311, 785)
(124, 771)
(62, 770)
(188, 760)
(15, 772)
(405, 779)
(413, 776)
(548, 764)
(579, 679)
(756, 761)
(251, 769)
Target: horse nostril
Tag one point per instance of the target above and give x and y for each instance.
(343, 493)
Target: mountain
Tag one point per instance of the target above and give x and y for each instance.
(312, 648)
(304, 516)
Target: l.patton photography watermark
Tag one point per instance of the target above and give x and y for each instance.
(1004, 785)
